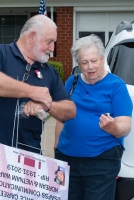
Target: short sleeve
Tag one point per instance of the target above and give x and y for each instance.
(122, 103)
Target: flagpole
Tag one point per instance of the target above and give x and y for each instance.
(52, 13)
(52, 17)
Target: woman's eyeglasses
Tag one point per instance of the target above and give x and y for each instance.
(27, 73)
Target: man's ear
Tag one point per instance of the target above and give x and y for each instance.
(31, 36)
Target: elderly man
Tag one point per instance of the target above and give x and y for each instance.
(22, 60)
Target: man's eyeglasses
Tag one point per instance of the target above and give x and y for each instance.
(27, 73)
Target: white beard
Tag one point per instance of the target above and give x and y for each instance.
(41, 57)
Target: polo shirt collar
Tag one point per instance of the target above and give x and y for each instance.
(17, 53)
(16, 50)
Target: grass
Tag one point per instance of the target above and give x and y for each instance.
(48, 116)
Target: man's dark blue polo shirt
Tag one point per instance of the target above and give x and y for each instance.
(13, 64)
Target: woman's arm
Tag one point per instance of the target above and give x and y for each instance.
(58, 129)
(118, 126)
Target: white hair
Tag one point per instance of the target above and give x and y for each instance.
(36, 23)
(86, 42)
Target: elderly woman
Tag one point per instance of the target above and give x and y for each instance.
(92, 143)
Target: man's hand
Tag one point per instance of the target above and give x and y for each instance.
(31, 108)
(41, 94)
(61, 110)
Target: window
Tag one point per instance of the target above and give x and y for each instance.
(10, 27)
(100, 34)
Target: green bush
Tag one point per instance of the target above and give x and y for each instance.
(59, 67)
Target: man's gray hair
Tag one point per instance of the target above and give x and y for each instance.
(36, 23)
(86, 42)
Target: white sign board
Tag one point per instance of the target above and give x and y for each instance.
(28, 176)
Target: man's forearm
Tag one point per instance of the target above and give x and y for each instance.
(10, 87)
(63, 110)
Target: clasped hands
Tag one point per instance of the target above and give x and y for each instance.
(42, 99)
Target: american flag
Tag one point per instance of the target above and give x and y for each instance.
(42, 9)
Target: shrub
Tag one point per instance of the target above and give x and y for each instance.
(59, 67)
